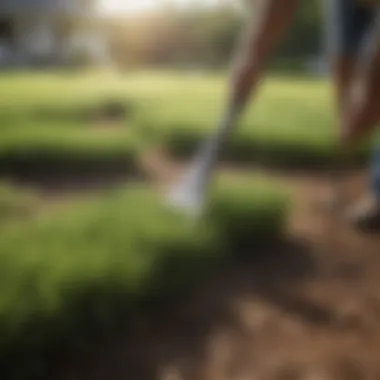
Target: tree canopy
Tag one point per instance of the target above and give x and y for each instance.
(202, 36)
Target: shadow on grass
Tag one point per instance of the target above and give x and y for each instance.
(58, 177)
(178, 335)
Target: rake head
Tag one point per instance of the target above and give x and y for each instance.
(188, 195)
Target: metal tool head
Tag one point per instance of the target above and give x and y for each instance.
(189, 194)
(185, 197)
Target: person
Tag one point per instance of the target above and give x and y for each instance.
(353, 27)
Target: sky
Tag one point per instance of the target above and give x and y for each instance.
(136, 6)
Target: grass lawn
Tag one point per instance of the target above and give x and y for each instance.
(44, 117)
(57, 124)
(16, 203)
(74, 275)
(291, 123)
(71, 275)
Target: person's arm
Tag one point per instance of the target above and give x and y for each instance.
(363, 110)
(265, 30)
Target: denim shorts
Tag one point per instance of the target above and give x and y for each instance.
(348, 24)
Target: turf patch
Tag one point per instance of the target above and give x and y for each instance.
(70, 277)
(65, 150)
(54, 125)
(16, 203)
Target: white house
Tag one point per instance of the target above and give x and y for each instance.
(45, 32)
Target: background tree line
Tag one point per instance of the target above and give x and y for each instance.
(202, 37)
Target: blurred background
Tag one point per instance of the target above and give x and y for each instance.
(126, 34)
(102, 104)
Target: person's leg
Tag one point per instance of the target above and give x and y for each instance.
(375, 170)
(374, 91)
(366, 214)
(350, 23)
(363, 116)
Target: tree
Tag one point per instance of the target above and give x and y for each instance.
(205, 36)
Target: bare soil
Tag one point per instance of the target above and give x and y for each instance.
(306, 308)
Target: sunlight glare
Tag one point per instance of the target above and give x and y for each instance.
(127, 6)
(139, 6)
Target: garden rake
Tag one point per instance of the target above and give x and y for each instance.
(257, 45)
(189, 194)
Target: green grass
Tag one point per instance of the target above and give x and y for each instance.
(59, 148)
(16, 203)
(48, 124)
(246, 211)
(45, 115)
(71, 276)
(290, 123)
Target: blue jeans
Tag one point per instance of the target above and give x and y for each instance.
(349, 23)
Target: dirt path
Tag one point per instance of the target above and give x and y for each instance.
(308, 309)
